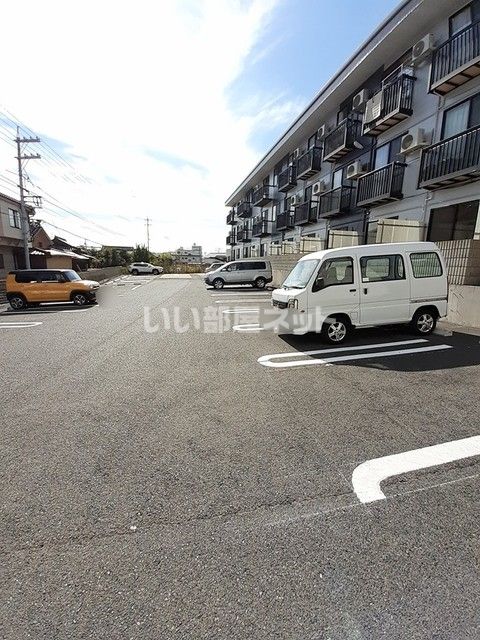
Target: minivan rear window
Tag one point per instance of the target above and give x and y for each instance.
(426, 265)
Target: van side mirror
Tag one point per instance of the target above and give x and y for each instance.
(318, 285)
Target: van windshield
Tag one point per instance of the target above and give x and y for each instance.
(300, 274)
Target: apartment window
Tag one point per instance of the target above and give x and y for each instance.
(14, 219)
(312, 141)
(464, 17)
(337, 178)
(460, 117)
(307, 195)
(455, 222)
(372, 232)
(2, 262)
(382, 268)
(426, 265)
(388, 153)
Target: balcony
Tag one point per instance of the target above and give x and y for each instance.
(231, 217)
(381, 186)
(244, 209)
(284, 221)
(305, 212)
(244, 235)
(231, 238)
(451, 161)
(456, 61)
(335, 201)
(396, 104)
(287, 179)
(340, 141)
(261, 228)
(309, 163)
(263, 195)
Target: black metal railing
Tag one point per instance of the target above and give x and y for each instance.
(455, 53)
(262, 195)
(398, 95)
(457, 157)
(244, 209)
(309, 163)
(232, 238)
(287, 178)
(305, 212)
(261, 228)
(339, 200)
(231, 217)
(341, 139)
(284, 221)
(244, 235)
(381, 185)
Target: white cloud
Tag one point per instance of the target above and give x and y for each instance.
(116, 79)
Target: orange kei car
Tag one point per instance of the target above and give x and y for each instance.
(32, 286)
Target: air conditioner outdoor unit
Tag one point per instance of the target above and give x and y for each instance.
(415, 139)
(318, 187)
(373, 108)
(355, 170)
(293, 201)
(422, 49)
(360, 100)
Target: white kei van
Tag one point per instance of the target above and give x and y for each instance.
(336, 290)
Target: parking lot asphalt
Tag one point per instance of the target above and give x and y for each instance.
(170, 469)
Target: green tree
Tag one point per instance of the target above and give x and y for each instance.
(141, 254)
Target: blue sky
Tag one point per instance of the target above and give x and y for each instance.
(304, 44)
(167, 112)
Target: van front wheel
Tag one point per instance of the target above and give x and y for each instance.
(424, 322)
(335, 330)
(218, 283)
(260, 283)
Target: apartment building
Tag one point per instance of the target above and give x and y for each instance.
(389, 149)
(188, 256)
(11, 236)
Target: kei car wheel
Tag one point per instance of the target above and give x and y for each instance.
(424, 322)
(335, 330)
(80, 299)
(17, 302)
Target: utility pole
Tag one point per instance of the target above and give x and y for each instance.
(23, 212)
(147, 223)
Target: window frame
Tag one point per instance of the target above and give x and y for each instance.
(337, 284)
(455, 106)
(421, 253)
(468, 8)
(14, 216)
(395, 256)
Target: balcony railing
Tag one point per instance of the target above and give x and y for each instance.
(262, 195)
(231, 217)
(262, 228)
(309, 163)
(396, 105)
(231, 238)
(284, 221)
(287, 179)
(451, 161)
(244, 235)
(382, 185)
(305, 212)
(456, 61)
(335, 201)
(244, 210)
(340, 141)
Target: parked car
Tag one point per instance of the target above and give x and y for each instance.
(255, 272)
(337, 290)
(144, 267)
(33, 286)
(214, 266)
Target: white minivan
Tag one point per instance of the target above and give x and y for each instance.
(336, 290)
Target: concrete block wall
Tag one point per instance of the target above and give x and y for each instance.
(463, 261)
(102, 274)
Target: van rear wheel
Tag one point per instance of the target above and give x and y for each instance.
(335, 330)
(424, 322)
(260, 283)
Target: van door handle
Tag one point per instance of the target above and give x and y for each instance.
(365, 290)
(352, 290)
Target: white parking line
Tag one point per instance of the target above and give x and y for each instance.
(366, 478)
(240, 294)
(266, 361)
(241, 311)
(250, 300)
(248, 328)
(18, 325)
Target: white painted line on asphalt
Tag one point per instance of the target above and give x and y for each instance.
(239, 310)
(240, 294)
(136, 286)
(248, 328)
(347, 358)
(78, 310)
(250, 300)
(366, 478)
(293, 354)
(18, 325)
